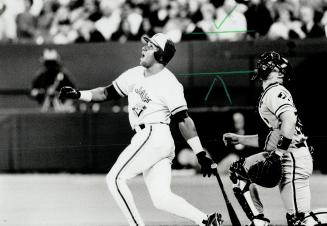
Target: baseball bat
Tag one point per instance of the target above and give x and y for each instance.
(231, 212)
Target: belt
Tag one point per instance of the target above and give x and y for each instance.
(138, 128)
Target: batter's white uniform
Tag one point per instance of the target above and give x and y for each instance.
(297, 162)
(151, 102)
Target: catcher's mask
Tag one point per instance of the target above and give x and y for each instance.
(166, 47)
(270, 61)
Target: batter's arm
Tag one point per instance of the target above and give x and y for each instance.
(187, 128)
(98, 94)
(188, 131)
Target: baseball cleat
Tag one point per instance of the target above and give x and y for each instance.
(214, 219)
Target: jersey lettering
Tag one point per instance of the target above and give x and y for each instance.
(143, 95)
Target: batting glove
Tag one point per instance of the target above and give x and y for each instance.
(68, 92)
(205, 163)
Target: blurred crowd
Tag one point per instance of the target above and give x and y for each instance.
(78, 21)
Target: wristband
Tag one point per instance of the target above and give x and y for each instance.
(284, 143)
(86, 96)
(195, 144)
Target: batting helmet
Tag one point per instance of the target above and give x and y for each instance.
(269, 61)
(166, 47)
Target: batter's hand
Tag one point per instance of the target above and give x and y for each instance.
(231, 138)
(205, 163)
(68, 92)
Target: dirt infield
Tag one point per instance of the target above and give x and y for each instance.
(83, 200)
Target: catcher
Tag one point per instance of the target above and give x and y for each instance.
(285, 159)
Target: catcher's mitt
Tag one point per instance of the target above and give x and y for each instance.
(267, 172)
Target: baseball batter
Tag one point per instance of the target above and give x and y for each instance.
(285, 160)
(155, 97)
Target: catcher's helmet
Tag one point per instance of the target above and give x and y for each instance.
(270, 61)
(165, 45)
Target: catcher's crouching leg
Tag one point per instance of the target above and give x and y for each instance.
(241, 187)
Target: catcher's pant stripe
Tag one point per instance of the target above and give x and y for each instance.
(267, 139)
(121, 195)
(293, 184)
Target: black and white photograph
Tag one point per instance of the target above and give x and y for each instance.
(163, 113)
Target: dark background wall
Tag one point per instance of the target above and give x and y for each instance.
(91, 142)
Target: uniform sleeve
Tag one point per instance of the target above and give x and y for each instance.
(174, 99)
(125, 82)
(280, 100)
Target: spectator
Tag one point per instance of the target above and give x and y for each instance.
(26, 24)
(206, 24)
(194, 11)
(259, 18)
(87, 32)
(64, 34)
(53, 21)
(92, 10)
(45, 20)
(159, 14)
(134, 18)
(62, 31)
(110, 21)
(48, 82)
(124, 33)
(174, 26)
(3, 23)
(284, 27)
(85, 10)
(324, 22)
(310, 27)
(146, 27)
(236, 21)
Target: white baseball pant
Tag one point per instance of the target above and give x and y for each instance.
(150, 152)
